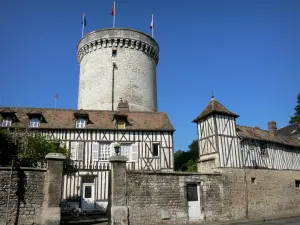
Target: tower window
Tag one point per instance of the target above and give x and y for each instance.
(114, 52)
(34, 122)
(80, 123)
(6, 122)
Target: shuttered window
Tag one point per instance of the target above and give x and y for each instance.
(74, 150)
(80, 151)
(77, 149)
(134, 153)
(95, 151)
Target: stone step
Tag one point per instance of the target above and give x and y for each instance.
(85, 219)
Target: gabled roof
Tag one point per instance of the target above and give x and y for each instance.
(290, 130)
(264, 135)
(100, 119)
(214, 107)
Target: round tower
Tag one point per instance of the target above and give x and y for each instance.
(117, 64)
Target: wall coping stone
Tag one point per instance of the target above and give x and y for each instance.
(26, 168)
(55, 156)
(172, 173)
(118, 158)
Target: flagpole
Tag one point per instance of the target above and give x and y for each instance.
(55, 102)
(114, 21)
(152, 27)
(82, 26)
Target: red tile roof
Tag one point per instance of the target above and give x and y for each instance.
(264, 135)
(215, 107)
(99, 119)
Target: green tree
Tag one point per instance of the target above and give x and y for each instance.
(29, 150)
(296, 117)
(187, 160)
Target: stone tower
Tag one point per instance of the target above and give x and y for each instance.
(117, 64)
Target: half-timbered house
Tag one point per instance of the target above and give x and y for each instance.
(223, 144)
(146, 138)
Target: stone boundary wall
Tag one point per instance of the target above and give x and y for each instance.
(267, 193)
(34, 193)
(26, 195)
(161, 198)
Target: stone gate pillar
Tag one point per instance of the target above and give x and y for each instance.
(53, 187)
(119, 210)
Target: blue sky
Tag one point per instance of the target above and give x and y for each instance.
(248, 52)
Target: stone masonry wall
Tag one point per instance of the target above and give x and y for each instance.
(160, 198)
(26, 195)
(270, 193)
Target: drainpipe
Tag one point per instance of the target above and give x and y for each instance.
(113, 86)
(245, 180)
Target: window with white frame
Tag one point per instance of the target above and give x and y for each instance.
(125, 149)
(104, 151)
(6, 122)
(34, 122)
(80, 123)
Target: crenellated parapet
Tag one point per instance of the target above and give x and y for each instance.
(118, 37)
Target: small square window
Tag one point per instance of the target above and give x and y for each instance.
(253, 180)
(155, 149)
(297, 183)
(80, 123)
(114, 52)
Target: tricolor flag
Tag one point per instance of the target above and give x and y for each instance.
(83, 24)
(113, 13)
(152, 25)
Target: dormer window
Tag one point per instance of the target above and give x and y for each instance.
(80, 123)
(121, 124)
(34, 122)
(82, 118)
(8, 117)
(121, 121)
(6, 122)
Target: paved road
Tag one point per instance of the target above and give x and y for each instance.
(289, 221)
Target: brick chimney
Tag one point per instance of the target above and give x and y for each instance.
(123, 106)
(272, 127)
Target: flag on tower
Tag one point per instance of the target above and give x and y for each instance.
(152, 25)
(113, 13)
(83, 24)
(84, 20)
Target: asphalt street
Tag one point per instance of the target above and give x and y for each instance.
(290, 221)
